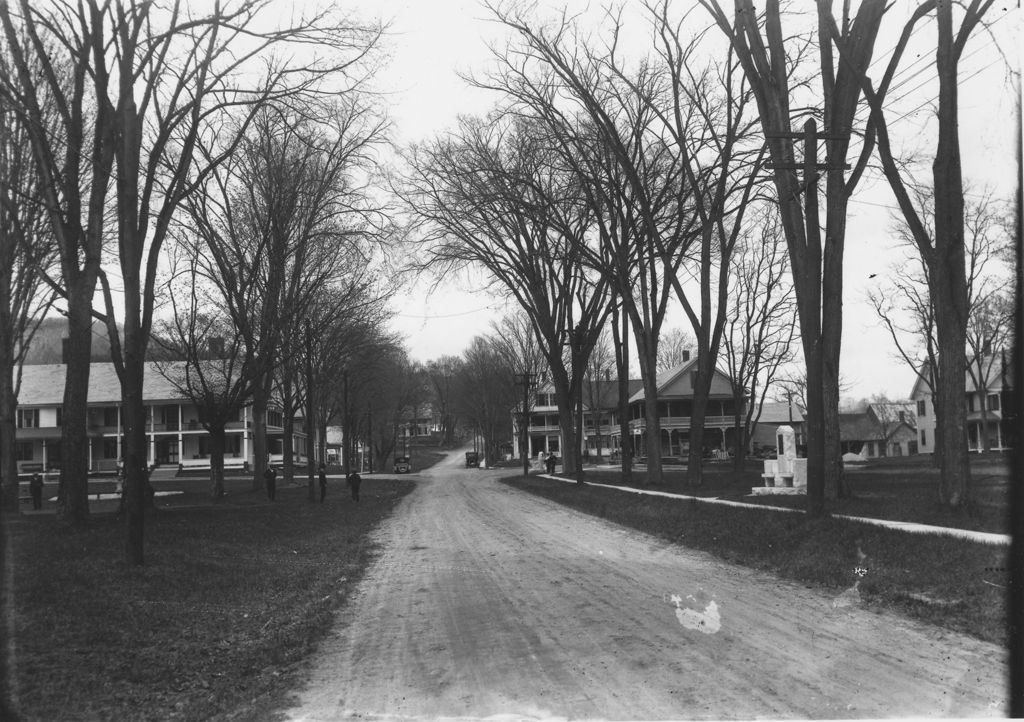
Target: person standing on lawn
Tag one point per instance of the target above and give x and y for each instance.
(35, 488)
(270, 476)
(323, 482)
(354, 480)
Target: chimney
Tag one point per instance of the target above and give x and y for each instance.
(65, 350)
(686, 355)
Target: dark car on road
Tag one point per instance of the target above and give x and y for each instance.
(472, 459)
(402, 465)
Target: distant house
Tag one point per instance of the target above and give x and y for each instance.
(882, 429)
(773, 415)
(602, 431)
(993, 407)
(675, 408)
(176, 437)
(600, 420)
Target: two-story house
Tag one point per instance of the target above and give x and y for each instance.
(602, 431)
(675, 409)
(176, 437)
(991, 407)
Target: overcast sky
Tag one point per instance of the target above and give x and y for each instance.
(430, 42)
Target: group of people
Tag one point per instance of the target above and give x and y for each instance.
(353, 481)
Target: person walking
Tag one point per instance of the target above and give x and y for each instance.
(35, 488)
(323, 482)
(354, 480)
(270, 476)
(550, 463)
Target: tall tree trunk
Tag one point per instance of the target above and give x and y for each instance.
(288, 433)
(217, 444)
(72, 493)
(621, 341)
(947, 277)
(260, 400)
(8, 432)
(739, 426)
(705, 368)
(136, 461)
(566, 421)
(652, 421)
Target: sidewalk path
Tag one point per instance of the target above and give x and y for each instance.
(975, 536)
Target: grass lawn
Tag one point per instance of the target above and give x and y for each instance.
(901, 489)
(231, 598)
(941, 580)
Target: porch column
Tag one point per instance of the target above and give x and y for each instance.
(120, 453)
(999, 434)
(44, 458)
(152, 435)
(724, 448)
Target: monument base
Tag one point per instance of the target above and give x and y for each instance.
(786, 490)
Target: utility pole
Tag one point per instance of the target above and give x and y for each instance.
(346, 427)
(310, 421)
(525, 380)
(811, 280)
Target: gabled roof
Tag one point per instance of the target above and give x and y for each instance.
(996, 366)
(43, 385)
(859, 427)
(670, 383)
(889, 413)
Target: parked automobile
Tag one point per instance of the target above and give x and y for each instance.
(402, 465)
(472, 459)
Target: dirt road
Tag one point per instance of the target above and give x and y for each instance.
(488, 602)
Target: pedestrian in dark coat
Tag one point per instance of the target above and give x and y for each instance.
(550, 463)
(35, 488)
(323, 482)
(354, 480)
(270, 475)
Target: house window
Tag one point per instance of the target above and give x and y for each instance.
(922, 408)
(28, 418)
(970, 402)
(25, 451)
(924, 438)
(274, 418)
(110, 416)
(993, 402)
(60, 416)
(110, 448)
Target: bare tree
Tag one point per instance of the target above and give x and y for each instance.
(279, 221)
(208, 362)
(489, 196)
(674, 348)
(943, 249)
(74, 158)
(767, 58)
(441, 372)
(486, 394)
(760, 326)
(635, 188)
(903, 301)
(157, 80)
(27, 252)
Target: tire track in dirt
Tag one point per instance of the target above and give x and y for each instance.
(488, 601)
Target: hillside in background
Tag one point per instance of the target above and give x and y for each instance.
(46, 344)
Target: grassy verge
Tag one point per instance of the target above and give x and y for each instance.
(900, 490)
(948, 582)
(231, 598)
